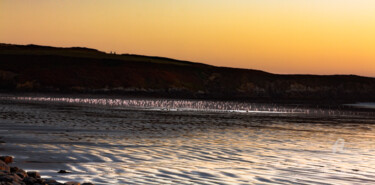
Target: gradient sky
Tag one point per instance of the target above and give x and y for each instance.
(279, 36)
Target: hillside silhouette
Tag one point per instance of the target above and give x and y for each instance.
(32, 68)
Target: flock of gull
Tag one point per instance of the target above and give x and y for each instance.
(191, 105)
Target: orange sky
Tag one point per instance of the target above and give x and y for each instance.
(279, 36)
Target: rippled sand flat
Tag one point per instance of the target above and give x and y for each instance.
(134, 145)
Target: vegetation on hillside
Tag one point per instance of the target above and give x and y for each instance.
(49, 69)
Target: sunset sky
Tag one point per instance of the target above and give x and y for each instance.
(278, 36)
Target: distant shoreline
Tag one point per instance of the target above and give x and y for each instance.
(340, 105)
(178, 97)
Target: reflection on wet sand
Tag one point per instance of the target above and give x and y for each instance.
(111, 145)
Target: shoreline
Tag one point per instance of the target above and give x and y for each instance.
(312, 105)
(177, 96)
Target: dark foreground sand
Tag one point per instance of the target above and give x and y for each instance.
(11, 175)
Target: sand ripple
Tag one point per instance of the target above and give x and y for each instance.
(109, 145)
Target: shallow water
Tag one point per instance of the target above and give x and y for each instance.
(196, 142)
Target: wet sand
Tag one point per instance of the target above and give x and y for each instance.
(117, 145)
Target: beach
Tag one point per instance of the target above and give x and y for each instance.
(112, 144)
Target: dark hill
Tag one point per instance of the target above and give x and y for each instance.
(50, 69)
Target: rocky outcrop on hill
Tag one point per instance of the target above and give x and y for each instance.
(48, 69)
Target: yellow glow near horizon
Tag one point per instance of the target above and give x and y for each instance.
(279, 36)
